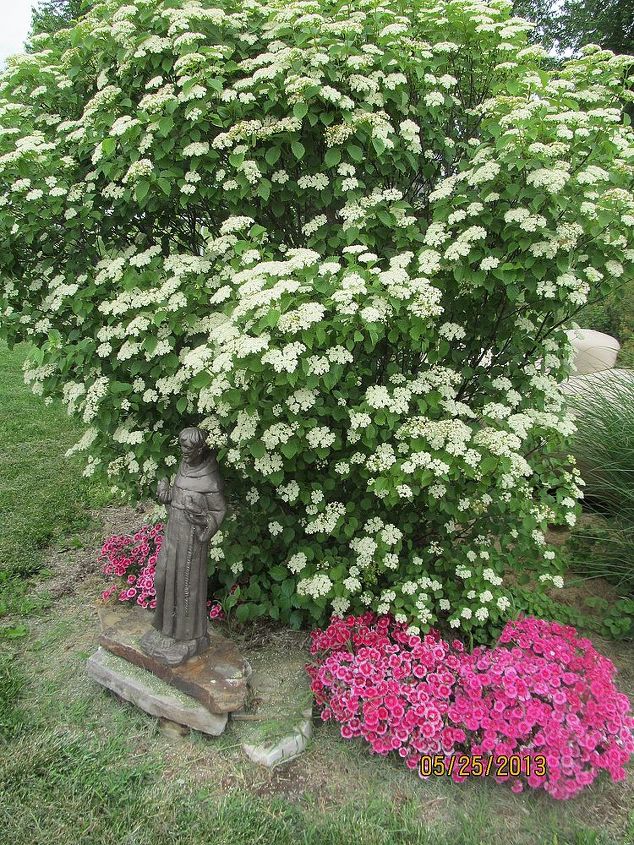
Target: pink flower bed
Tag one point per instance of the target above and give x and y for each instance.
(132, 560)
(542, 691)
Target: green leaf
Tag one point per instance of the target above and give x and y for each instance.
(272, 155)
(271, 318)
(142, 189)
(278, 573)
(355, 152)
(290, 449)
(256, 230)
(166, 124)
(295, 620)
(298, 150)
(119, 387)
(109, 145)
(201, 380)
(288, 587)
(332, 157)
(257, 449)
(253, 591)
(300, 110)
(378, 145)
(243, 612)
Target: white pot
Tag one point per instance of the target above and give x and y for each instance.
(594, 351)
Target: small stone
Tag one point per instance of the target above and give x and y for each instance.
(282, 751)
(153, 696)
(172, 730)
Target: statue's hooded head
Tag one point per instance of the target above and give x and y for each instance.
(193, 443)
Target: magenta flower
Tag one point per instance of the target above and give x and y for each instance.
(541, 692)
(132, 558)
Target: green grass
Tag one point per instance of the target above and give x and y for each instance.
(43, 497)
(132, 808)
(78, 767)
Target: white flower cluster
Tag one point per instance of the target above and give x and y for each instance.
(302, 251)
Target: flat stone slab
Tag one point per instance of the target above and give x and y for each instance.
(276, 724)
(151, 694)
(217, 677)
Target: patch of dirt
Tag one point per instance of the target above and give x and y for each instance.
(575, 594)
(69, 567)
(290, 781)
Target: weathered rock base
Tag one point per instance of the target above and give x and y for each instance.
(171, 651)
(217, 677)
(267, 697)
(151, 694)
(276, 725)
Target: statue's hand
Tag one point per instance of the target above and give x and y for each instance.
(197, 518)
(205, 534)
(163, 492)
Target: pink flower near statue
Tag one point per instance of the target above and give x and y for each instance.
(215, 610)
(132, 560)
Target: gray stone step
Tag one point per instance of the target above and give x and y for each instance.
(151, 694)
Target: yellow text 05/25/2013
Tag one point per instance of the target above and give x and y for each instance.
(480, 765)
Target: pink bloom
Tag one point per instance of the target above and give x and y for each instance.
(540, 690)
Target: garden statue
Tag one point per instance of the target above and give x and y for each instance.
(196, 510)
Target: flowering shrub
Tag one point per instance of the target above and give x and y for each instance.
(345, 239)
(132, 559)
(388, 686)
(541, 690)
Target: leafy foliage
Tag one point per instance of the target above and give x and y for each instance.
(52, 15)
(345, 242)
(574, 23)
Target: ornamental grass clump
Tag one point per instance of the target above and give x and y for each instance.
(345, 239)
(542, 695)
(604, 448)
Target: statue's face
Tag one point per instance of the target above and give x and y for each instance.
(191, 453)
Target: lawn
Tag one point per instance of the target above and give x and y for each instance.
(44, 501)
(77, 766)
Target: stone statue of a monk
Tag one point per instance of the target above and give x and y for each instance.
(196, 510)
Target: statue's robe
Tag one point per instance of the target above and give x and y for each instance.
(181, 568)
